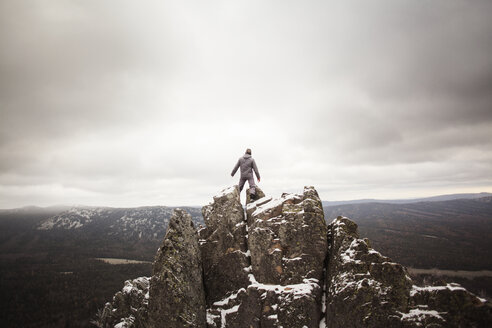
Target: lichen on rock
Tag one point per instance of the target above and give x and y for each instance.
(177, 296)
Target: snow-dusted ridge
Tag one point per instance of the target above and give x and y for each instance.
(74, 218)
(149, 222)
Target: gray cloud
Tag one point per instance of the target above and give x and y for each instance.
(119, 103)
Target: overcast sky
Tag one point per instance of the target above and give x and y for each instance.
(132, 103)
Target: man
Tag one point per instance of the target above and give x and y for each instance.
(247, 164)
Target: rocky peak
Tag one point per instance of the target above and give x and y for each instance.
(362, 284)
(286, 250)
(129, 307)
(276, 263)
(176, 286)
(367, 289)
(287, 238)
(223, 246)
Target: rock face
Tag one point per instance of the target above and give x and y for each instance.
(258, 193)
(287, 239)
(366, 289)
(277, 264)
(129, 307)
(177, 296)
(223, 246)
(287, 246)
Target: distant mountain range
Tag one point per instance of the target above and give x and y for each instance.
(148, 223)
(410, 200)
(99, 231)
(451, 234)
(61, 208)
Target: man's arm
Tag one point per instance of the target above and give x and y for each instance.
(235, 169)
(255, 168)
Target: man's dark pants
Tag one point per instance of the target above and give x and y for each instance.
(251, 183)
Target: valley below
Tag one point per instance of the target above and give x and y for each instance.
(58, 266)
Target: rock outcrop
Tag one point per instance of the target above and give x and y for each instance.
(258, 193)
(366, 289)
(276, 263)
(223, 245)
(129, 307)
(287, 248)
(177, 296)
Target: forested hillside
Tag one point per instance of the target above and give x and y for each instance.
(447, 235)
(49, 275)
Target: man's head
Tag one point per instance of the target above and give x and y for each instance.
(248, 151)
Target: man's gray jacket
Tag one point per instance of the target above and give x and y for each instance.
(247, 164)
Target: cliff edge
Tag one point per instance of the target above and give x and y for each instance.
(276, 263)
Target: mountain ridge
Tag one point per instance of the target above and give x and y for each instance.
(451, 234)
(64, 207)
(278, 264)
(437, 198)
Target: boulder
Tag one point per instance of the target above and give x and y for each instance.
(258, 192)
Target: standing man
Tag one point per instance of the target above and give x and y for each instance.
(247, 164)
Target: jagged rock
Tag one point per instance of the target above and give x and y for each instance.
(287, 239)
(282, 266)
(129, 307)
(265, 305)
(177, 297)
(223, 245)
(287, 244)
(455, 306)
(366, 289)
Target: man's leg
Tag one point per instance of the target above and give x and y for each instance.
(251, 182)
(242, 181)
